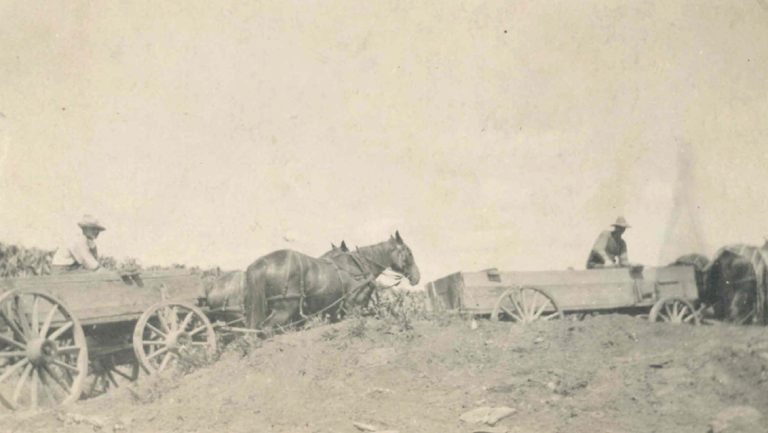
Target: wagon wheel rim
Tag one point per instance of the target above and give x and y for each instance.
(108, 374)
(173, 333)
(43, 352)
(527, 305)
(676, 311)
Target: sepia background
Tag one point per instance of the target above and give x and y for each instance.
(489, 133)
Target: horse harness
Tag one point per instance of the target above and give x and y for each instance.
(366, 277)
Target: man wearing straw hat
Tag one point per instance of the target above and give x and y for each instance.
(610, 249)
(82, 253)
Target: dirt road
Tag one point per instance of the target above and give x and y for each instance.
(604, 374)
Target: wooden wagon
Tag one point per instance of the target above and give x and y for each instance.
(668, 294)
(64, 336)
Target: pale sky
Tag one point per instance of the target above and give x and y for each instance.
(494, 133)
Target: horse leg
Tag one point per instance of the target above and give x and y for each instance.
(742, 306)
(282, 313)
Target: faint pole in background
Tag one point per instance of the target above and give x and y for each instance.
(5, 142)
(683, 233)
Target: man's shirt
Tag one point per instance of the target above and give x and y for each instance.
(608, 247)
(81, 253)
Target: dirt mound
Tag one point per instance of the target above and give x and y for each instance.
(618, 373)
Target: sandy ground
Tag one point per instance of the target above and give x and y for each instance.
(604, 374)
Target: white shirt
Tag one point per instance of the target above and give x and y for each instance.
(81, 253)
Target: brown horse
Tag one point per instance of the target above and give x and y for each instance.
(287, 286)
(735, 284)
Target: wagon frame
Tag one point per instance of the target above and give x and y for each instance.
(668, 294)
(68, 335)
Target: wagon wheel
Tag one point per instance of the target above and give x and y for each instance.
(173, 332)
(43, 352)
(526, 305)
(107, 373)
(674, 310)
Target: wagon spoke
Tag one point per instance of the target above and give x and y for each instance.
(12, 342)
(551, 316)
(157, 353)
(678, 312)
(48, 320)
(21, 316)
(36, 316)
(13, 369)
(66, 366)
(511, 314)
(173, 318)
(47, 388)
(33, 385)
(168, 357)
(533, 304)
(668, 312)
(162, 320)
(541, 310)
(186, 320)
(197, 330)
(155, 330)
(68, 349)
(12, 354)
(56, 378)
(515, 303)
(12, 324)
(523, 303)
(20, 384)
(64, 328)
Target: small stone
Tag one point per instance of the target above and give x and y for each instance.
(486, 415)
(365, 427)
(490, 430)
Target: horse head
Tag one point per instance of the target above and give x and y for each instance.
(401, 259)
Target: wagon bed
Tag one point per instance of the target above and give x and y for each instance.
(612, 289)
(101, 298)
(68, 335)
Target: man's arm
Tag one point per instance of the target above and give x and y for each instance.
(623, 257)
(600, 245)
(83, 255)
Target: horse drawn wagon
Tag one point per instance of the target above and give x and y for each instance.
(668, 294)
(64, 336)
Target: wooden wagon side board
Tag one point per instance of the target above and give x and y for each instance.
(97, 298)
(574, 290)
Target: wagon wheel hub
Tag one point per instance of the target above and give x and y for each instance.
(41, 351)
(178, 340)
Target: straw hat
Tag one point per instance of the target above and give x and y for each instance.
(621, 222)
(90, 221)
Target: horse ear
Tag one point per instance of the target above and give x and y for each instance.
(397, 237)
(344, 247)
(333, 247)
